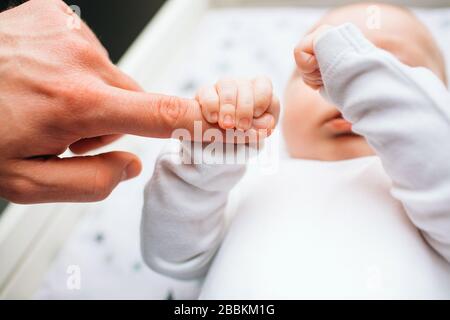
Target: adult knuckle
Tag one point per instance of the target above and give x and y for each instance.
(78, 48)
(88, 95)
(171, 110)
(67, 102)
(85, 51)
(72, 107)
(65, 92)
(79, 101)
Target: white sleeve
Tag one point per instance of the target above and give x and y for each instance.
(183, 220)
(404, 113)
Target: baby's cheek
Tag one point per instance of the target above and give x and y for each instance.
(300, 122)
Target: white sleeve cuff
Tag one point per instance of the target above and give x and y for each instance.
(335, 43)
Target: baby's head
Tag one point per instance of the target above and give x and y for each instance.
(313, 128)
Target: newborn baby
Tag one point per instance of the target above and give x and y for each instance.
(360, 210)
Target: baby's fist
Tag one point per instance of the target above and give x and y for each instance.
(240, 104)
(305, 58)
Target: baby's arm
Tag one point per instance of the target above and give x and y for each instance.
(183, 219)
(403, 112)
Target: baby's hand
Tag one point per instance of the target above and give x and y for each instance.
(306, 59)
(240, 104)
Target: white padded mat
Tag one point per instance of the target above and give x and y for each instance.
(243, 42)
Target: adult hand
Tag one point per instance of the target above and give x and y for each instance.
(59, 90)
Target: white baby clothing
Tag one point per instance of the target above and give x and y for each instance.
(375, 227)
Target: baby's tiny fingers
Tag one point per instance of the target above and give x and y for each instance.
(265, 122)
(262, 93)
(307, 63)
(270, 118)
(209, 101)
(227, 90)
(313, 85)
(304, 52)
(315, 76)
(245, 104)
(274, 111)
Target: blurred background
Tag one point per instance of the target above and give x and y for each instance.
(117, 24)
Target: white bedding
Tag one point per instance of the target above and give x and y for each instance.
(105, 243)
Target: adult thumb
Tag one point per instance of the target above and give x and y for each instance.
(77, 179)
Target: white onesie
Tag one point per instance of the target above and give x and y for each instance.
(374, 227)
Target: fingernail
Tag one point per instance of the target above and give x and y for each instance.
(244, 124)
(228, 121)
(214, 117)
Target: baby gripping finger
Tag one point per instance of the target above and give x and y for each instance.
(210, 104)
(227, 90)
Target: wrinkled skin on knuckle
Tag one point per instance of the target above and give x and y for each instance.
(88, 55)
(54, 121)
(172, 111)
(76, 99)
(77, 102)
(77, 50)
